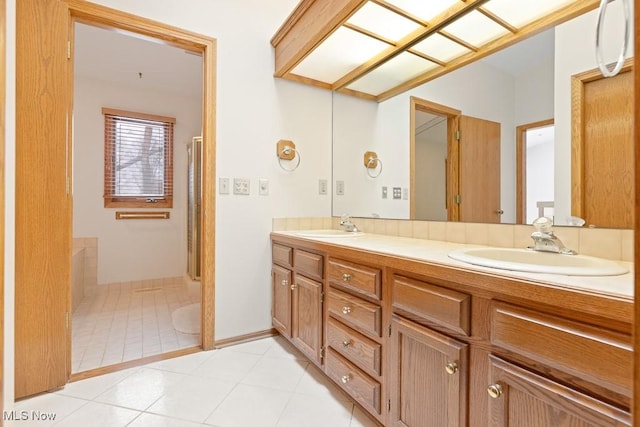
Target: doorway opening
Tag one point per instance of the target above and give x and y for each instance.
(535, 144)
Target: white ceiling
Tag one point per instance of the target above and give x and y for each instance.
(119, 57)
(525, 54)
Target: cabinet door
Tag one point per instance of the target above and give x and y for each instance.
(307, 317)
(524, 399)
(428, 377)
(281, 299)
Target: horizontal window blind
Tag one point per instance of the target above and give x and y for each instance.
(138, 168)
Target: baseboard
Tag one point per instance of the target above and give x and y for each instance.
(245, 338)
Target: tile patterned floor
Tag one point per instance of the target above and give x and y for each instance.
(128, 321)
(264, 383)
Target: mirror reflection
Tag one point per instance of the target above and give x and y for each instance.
(493, 141)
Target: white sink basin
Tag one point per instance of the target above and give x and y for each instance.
(539, 262)
(328, 233)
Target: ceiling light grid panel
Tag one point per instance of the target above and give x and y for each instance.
(522, 12)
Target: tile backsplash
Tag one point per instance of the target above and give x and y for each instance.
(599, 242)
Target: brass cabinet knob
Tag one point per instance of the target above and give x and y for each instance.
(346, 277)
(293, 286)
(499, 211)
(451, 368)
(346, 343)
(345, 378)
(495, 390)
(285, 282)
(346, 309)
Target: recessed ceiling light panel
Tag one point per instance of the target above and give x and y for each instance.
(398, 70)
(383, 22)
(522, 12)
(441, 48)
(476, 29)
(340, 53)
(426, 10)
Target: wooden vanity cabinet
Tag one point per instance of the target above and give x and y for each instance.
(297, 298)
(421, 345)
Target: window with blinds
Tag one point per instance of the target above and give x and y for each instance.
(138, 159)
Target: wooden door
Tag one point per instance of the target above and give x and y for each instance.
(602, 149)
(43, 197)
(524, 399)
(428, 377)
(479, 170)
(281, 299)
(307, 317)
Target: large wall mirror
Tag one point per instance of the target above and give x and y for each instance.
(514, 113)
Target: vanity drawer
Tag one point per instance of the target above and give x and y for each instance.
(597, 355)
(357, 348)
(282, 255)
(309, 264)
(358, 384)
(355, 312)
(442, 306)
(357, 278)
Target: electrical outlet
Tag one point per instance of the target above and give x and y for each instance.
(241, 186)
(339, 188)
(384, 192)
(223, 185)
(405, 194)
(322, 187)
(397, 193)
(263, 187)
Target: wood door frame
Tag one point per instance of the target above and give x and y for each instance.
(3, 78)
(453, 117)
(92, 14)
(578, 81)
(521, 167)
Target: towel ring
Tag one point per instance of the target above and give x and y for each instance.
(288, 152)
(371, 163)
(604, 68)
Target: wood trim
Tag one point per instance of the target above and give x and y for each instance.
(311, 23)
(521, 162)
(132, 364)
(635, 404)
(3, 79)
(227, 342)
(143, 116)
(418, 104)
(577, 138)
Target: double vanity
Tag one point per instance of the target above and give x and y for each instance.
(430, 333)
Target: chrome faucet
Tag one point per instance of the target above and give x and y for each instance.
(545, 240)
(347, 224)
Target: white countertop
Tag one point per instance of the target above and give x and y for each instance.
(437, 252)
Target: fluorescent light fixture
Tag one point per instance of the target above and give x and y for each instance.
(340, 53)
(425, 9)
(398, 70)
(440, 47)
(383, 22)
(476, 29)
(522, 12)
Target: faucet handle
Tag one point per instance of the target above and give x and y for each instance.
(345, 217)
(543, 224)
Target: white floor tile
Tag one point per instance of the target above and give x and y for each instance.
(318, 412)
(227, 365)
(259, 347)
(283, 349)
(192, 399)
(93, 387)
(44, 409)
(140, 390)
(99, 415)
(315, 383)
(183, 365)
(153, 420)
(250, 406)
(277, 373)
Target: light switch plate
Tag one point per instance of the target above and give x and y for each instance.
(241, 186)
(384, 192)
(397, 193)
(223, 185)
(322, 187)
(339, 188)
(263, 187)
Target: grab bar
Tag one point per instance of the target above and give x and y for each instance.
(142, 215)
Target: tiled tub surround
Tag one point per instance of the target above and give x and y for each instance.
(598, 242)
(89, 248)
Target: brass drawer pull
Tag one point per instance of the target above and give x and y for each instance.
(285, 282)
(346, 277)
(346, 309)
(451, 368)
(293, 287)
(345, 378)
(494, 390)
(346, 343)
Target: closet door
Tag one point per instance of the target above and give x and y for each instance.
(43, 197)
